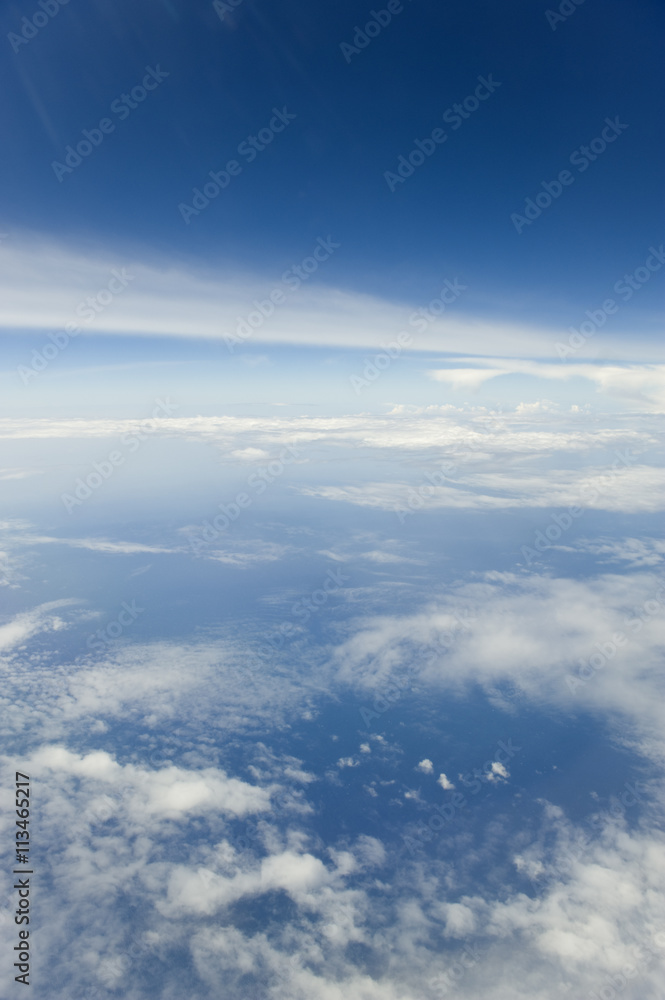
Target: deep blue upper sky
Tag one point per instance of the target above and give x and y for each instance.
(324, 174)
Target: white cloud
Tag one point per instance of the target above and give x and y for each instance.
(94, 544)
(425, 766)
(536, 632)
(641, 384)
(637, 552)
(330, 927)
(498, 772)
(43, 282)
(242, 554)
(578, 923)
(216, 685)
(460, 920)
(167, 836)
(634, 489)
(30, 623)
(380, 556)
(19, 473)
(251, 454)
(459, 432)
(204, 891)
(248, 553)
(167, 793)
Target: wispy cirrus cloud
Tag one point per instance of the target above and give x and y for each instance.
(44, 282)
(28, 624)
(95, 544)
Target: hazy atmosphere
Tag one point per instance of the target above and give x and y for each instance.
(332, 562)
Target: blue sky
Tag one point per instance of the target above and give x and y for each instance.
(326, 179)
(325, 173)
(331, 553)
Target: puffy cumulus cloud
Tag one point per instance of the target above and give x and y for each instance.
(425, 766)
(146, 890)
(581, 644)
(460, 920)
(311, 971)
(346, 937)
(445, 782)
(498, 772)
(162, 841)
(205, 892)
(166, 793)
(111, 832)
(593, 920)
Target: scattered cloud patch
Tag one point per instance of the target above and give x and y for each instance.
(347, 762)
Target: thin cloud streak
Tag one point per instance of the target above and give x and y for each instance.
(43, 283)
